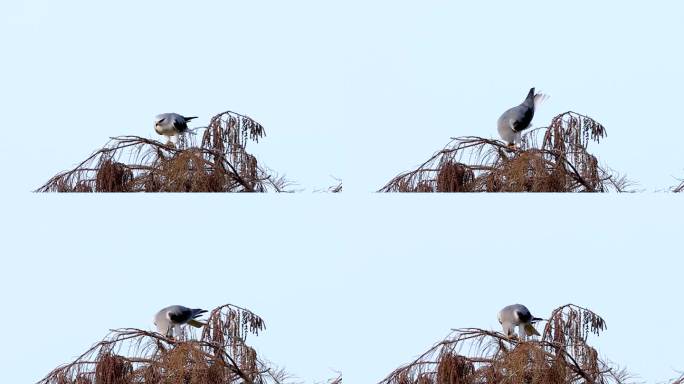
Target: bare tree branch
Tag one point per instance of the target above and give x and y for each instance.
(219, 163)
(220, 355)
(472, 355)
(559, 163)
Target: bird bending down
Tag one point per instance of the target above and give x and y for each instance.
(171, 124)
(518, 315)
(170, 319)
(517, 119)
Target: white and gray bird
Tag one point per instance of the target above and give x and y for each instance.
(517, 315)
(517, 119)
(171, 124)
(170, 319)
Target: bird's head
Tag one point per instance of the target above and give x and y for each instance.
(158, 121)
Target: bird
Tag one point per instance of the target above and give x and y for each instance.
(171, 124)
(517, 119)
(169, 320)
(518, 315)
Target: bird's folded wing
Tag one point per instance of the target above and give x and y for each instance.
(531, 330)
(195, 323)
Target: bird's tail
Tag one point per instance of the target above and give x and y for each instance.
(192, 130)
(195, 323)
(539, 98)
(530, 330)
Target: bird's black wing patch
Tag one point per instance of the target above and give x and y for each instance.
(524, 316)
(197, 312)
(181, 316)
(180, 126)
(524, 123)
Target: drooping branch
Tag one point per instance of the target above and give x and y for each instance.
(219, 355)
(218, 163)
(550, 159)
(472, 355)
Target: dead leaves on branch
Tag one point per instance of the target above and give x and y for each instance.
(551, 159)
(220, 355)
(477, 356)
(219, 163)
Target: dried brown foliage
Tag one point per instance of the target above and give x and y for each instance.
(218, 163)
(219, 355)
(476, 356)
(561, 163)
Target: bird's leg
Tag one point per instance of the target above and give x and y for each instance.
(521, 332)
(510, 334)
(170, 143)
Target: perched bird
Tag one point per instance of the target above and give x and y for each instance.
(517, 119)
(170, 319)
(518, 315)
(171, 124)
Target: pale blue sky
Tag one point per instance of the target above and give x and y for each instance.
(356, 89)
(360, 91)
(359, 284)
